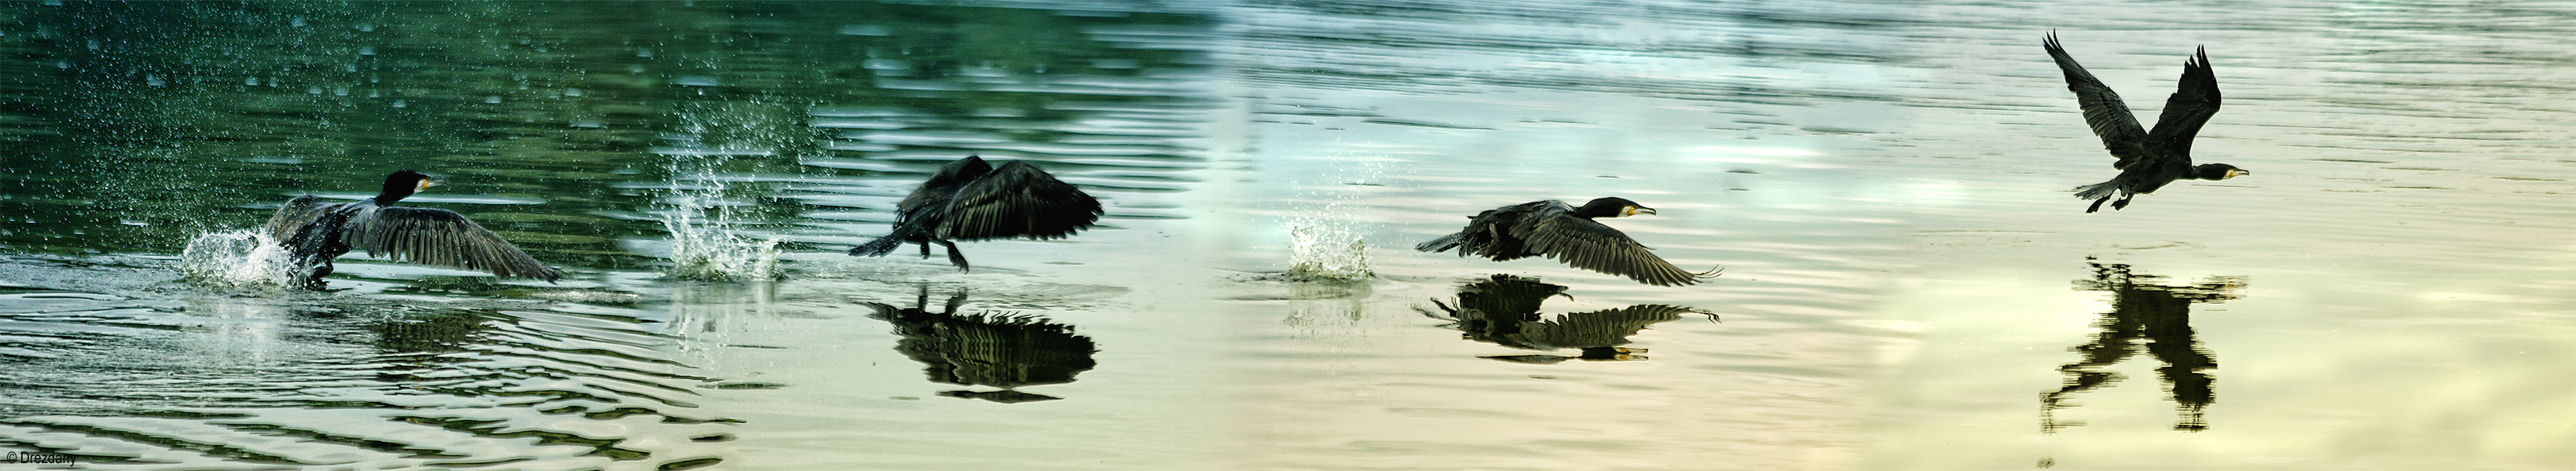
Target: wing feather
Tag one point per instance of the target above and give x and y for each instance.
(1018, 200)
(2103, 110)
(439, 237)
(2191, 105)
(1590, 245)
(294, 216)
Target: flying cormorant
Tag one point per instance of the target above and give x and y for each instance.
(2148, 159)
(1568, 234)
(972, 200)
(314, 232)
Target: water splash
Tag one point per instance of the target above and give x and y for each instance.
(718, 150)
(1324, 250)
(714, 251)
(237, 259)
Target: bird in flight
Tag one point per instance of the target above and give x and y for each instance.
(970, 199)
(2149, 159)
(1568, 234)
(314, 232)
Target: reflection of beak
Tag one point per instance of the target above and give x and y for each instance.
(1636, 210)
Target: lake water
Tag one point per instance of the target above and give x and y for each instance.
(1908, 284)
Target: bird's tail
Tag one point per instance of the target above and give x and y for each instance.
(1443, 243)
(884, 245)
(2096, 191)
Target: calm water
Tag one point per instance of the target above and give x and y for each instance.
(1908, 286)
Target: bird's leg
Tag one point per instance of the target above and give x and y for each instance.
(954, 257)
(2097, 205)
(2123, 202)
(313, 280)
(925, 249)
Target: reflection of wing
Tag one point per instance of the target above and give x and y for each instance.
(1504, 298)
(440, 237)
(2188, 108)
(1603, 328)
(1019, 200)
(1589, 245)
(2102, 108)
(999, 351)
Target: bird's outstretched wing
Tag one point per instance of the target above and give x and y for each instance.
(1016, 200)
(2189, 107)
(292, 217)
(2103, 110)
(431, 236)
(1589, 245)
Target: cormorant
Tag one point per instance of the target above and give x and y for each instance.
(2148, 159)
(1568, 234)
(972, 200)
(314, 232)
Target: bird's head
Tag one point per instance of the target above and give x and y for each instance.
(1611, 208)
(404, 183)
(2218, 172)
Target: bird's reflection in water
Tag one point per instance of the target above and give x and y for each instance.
(1504, 310)
(994, 348)
(2148, 316)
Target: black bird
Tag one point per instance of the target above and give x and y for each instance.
(1568, 234)
(314, 232)
(2148, 159)
(972, 200)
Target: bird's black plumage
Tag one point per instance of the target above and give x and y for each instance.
(972, 200)
(1568, 234)
(2149, 159)
(314, 232)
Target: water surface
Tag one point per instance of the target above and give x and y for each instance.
(1908, 285)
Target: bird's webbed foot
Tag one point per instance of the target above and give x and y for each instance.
(954, 257)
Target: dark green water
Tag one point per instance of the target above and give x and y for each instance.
(1907, 283)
